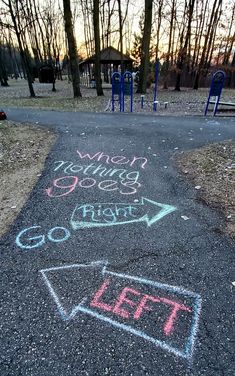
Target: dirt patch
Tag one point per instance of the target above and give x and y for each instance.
(212, 170)
(23, 150)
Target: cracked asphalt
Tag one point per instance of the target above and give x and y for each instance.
(124, 299)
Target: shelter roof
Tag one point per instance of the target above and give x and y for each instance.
(108, 55)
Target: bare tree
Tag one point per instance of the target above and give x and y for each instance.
(159, 25)
(14, 11)
(229, 39)
(3, 47)
(73, 55)
(200, 22)
(96, 22)
(144, 67)
(183, 52)
(87, 11)
(169, 48)
(213, 19)
(3, 72)
(189, 44)
(121, 33)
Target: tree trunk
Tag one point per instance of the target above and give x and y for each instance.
(72, 49)
(120, 33)
(96, 22)
(167, 63)
(159, 24)
(205, 46)
(231, 78)
(3, 73)
(211, 40)
(22, 52)
(228, 54)
(38, 18)
(144, 66)
(183, 53)
(228, 49)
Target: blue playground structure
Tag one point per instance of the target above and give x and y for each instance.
(123, 86)
(117, 89)
(127, 89)
(216, 88)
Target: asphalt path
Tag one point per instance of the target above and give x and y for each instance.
(114, 266)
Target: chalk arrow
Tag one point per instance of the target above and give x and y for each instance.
(100, 293)
(81, 277)
(111, 214)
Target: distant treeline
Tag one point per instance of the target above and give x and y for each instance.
(191, 38)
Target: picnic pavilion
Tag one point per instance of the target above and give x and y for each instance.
(110, 60)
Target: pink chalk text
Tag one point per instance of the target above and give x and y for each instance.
(117, 159)
(98, 172)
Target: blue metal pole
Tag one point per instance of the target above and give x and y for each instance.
(116, 88)
(142, 101)
(113, 92)
(127, 89)
(131, 92)
(122, 94)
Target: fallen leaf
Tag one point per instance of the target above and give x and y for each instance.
(185, 217)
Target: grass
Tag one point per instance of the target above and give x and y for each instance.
(187, 101)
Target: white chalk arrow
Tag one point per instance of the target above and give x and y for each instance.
(98, 214)
(89, 277)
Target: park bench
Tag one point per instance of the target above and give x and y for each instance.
(223, 103)
(215, 91)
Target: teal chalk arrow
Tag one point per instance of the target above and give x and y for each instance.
(111, 214)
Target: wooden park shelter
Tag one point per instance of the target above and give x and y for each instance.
(110, 60)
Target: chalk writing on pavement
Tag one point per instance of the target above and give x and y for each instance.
(33, 237)
(96, 215)
(110, 214)
(101, 175)
(164, 315)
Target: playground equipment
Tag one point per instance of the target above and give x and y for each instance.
(216, 88)
(215, 91)
(127, 89)
(122, 86)
(117, 89)
(155, 86)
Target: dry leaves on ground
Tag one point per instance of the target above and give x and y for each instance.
(23, 150)
(213, 169)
